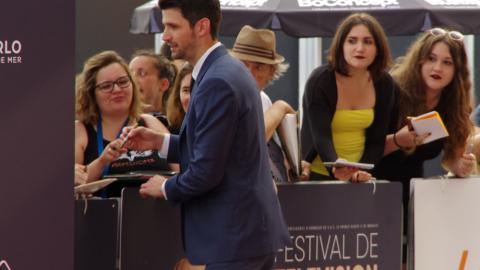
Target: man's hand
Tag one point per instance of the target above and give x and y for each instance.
(153, 187)
(306, 169)
(141, 138)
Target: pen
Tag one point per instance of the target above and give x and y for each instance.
(126, 137)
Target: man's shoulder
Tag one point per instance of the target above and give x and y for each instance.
(227, 68)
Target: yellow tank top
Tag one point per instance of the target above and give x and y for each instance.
(348, 133)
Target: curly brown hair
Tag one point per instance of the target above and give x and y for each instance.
(455, 97)
(86, 107)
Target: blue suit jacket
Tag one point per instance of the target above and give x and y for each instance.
(229, 207)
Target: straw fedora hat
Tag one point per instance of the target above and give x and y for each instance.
(256, 45)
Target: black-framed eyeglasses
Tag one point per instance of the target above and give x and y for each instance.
(455, 35)
(107, 87)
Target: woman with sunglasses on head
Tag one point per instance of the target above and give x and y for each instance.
(347, 102)
(432, 76)
(107, 99)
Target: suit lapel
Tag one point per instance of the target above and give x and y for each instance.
(211, 58)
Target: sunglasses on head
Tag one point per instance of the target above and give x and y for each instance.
(455, 35)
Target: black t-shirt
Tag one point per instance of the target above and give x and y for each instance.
(130, 161)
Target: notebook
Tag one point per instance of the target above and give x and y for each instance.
(429, 122)
(344, 163)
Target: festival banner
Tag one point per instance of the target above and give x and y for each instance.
(341, 226)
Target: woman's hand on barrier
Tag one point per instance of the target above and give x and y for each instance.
(465, 165)
(344, 173)
(361, 176)
(81, 174)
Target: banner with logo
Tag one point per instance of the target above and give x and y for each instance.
(339, 225)
(37, 131)
(447, 223)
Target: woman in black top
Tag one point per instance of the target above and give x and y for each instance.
(107, 99)
(354, 80)
(433, 75)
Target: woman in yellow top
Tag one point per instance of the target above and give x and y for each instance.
(348, 101)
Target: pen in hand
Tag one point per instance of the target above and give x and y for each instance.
(125, 140)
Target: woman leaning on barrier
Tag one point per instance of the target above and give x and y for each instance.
(347, 102)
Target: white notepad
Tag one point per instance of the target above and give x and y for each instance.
(345, 163)
(429, 122)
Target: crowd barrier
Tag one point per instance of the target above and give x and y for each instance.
(445, 224)
(333, 226)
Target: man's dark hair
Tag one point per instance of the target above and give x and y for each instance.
(194, 10)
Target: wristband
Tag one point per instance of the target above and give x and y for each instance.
(396, 142)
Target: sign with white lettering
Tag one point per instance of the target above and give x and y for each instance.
(341, 226)
(37, 78)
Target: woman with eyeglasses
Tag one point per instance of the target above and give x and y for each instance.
(347, 102)
(107, 99)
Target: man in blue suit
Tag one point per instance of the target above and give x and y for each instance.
(230, 212)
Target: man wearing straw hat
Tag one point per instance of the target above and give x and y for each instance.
(256, 48)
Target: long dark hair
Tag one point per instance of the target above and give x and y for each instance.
(336, 57)
(175, 112)
(455, 97)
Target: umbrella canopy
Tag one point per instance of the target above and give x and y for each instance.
(319, 18)
(307, 18)
(461, 15)
(147, 18)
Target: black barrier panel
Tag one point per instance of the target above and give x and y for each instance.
(333, 226)
(341, 226)
(96, 234)
(150, 233)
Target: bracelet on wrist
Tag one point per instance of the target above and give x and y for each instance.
(396, 142)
